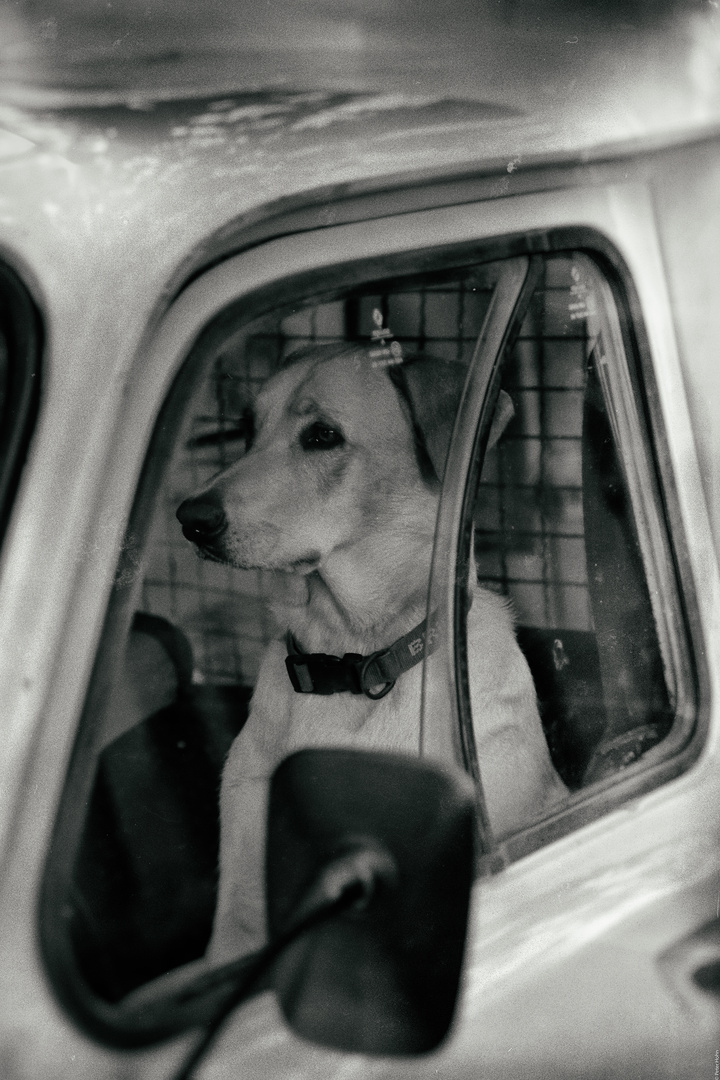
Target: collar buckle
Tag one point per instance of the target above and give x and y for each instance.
(320, 673)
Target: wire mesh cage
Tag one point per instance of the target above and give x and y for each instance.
(529, 535)
(529, 529)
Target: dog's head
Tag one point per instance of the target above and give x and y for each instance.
(344, 461)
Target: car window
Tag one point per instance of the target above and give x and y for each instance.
(566, 538)
(20, 344)
(272, 594)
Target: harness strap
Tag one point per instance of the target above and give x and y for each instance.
(321, 673)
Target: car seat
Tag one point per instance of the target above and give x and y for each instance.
(145, 876)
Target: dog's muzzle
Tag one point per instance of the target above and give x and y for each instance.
(202, 518)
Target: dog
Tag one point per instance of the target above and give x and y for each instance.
(338, 489)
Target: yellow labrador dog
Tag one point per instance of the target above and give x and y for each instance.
(339, 489)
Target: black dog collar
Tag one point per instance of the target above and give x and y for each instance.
(320, 673)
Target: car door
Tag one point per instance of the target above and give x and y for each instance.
(568, 517)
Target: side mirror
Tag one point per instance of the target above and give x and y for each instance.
(382, 976)
(369, 866)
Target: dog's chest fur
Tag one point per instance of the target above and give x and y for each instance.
(517, 772)
(280, 722)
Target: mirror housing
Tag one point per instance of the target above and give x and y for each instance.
(383, 976)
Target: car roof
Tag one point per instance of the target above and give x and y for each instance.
(141, 142)
(375, 83)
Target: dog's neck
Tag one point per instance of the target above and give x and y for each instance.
(351, 605)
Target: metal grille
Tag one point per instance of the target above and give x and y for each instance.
(529, 536)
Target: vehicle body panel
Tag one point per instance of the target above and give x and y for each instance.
(121, 221)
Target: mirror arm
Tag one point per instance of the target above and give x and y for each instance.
(348, 881)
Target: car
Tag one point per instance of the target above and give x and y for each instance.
(529, 193)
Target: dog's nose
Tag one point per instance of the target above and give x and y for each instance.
(202, 518)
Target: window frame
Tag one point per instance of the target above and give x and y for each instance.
(100, 1020)
(674, 753)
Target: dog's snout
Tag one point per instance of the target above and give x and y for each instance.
(202, 518)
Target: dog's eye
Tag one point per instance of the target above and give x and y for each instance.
(319, 436)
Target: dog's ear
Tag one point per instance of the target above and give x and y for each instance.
(504, 412)
(431, 388)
